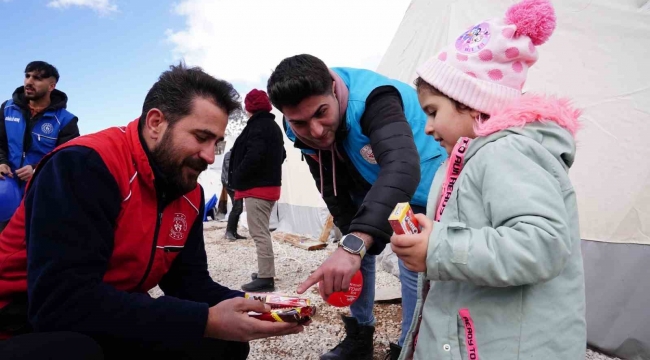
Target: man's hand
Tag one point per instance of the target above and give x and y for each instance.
(334, 274)
(25, 173)
(229, 320)
(412, 249)
(5, 170)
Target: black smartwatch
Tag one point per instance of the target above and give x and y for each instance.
(353, 244)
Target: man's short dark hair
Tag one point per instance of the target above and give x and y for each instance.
(297, 78)
(45, 70)
(177, 87)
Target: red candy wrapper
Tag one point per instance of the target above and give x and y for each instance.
(300, 315)
(403, 220)
(283, 308)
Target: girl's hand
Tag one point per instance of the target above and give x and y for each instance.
(412, 249)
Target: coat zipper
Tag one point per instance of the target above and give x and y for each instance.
(28, 117)
(153, 246)
(39, 136)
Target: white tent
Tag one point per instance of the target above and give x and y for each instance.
(301, 210)
(597, 56)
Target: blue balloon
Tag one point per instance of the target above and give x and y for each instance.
(10, 196)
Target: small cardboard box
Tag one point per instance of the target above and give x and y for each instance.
(403, 221)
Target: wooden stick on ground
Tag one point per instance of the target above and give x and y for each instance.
(299, 241)
(307, 243)
(327, 228)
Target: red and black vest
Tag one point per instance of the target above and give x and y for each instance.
(146, 242)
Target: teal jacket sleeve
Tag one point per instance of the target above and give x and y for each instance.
(529, 238)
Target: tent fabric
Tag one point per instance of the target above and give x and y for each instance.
(301, 210)
(597, 57)
(617, 289)
(210, 180)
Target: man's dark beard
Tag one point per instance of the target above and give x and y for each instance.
(172, 170)
(37, 96)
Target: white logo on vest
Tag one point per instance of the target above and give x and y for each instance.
(366, 153)
(179, 227)
(12, 119)
(47, 128)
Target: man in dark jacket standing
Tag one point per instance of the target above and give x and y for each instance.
(107, 217)
(33, 122)
(363, 138)
(256, 176)
(237, 205)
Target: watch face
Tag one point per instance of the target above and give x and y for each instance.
(353, 243)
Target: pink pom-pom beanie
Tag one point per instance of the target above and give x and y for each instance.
(487, 65)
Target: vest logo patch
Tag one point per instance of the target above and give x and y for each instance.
(12, 119)
(47, 128)
(366, 153)
(179, 227)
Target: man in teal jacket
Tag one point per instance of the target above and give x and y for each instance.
(363, 138)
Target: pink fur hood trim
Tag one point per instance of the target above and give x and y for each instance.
(532, 108)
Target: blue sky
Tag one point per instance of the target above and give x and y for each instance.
(107, 62)
(110, 52)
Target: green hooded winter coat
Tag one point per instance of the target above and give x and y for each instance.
(504, 264)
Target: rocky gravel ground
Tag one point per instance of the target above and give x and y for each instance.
(231, 264)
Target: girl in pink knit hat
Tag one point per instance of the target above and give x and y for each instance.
(500, 245)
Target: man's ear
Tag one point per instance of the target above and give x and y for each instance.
(334, 87)
(52, 85)
(155, 123)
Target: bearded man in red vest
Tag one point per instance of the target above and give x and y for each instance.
(109, 216)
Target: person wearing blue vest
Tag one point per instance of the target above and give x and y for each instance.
(33, 122)
(362, 135)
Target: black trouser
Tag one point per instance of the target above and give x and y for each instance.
(235, 212)
(53, 346)
(222, 205)
(73, 346)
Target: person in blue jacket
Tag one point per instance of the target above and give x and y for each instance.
(362, 135)
(32, 123)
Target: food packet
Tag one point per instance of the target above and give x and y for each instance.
(283, 308)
